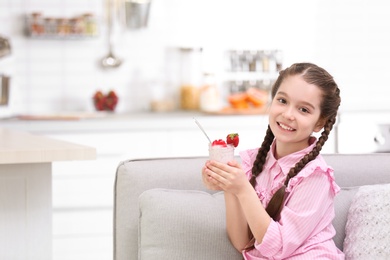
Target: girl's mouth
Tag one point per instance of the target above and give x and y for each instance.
(285, 127)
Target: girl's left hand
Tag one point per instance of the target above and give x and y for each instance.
(229, 177)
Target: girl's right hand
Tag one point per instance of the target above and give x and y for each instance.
(207, 179)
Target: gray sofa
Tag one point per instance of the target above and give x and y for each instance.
(163, 211)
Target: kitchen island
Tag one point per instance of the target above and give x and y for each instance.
(26, 191)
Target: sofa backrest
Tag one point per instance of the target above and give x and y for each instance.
(360, 169)
(136, 176)
(351, 172)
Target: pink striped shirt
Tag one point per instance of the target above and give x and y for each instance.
(305, 229)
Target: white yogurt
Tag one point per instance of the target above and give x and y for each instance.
(220, 153)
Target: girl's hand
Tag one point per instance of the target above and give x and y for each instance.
(228, 177)
(208, 180)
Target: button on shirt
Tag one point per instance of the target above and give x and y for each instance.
(304, 230)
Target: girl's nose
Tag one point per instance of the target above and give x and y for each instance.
(289, 113)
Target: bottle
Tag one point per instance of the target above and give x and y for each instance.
(37, 24)
(265, 61)
(50, 26)
(90, 25)
(279, 60)
(191, 78)
(210, 97)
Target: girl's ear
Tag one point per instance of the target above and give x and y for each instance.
(320, 124)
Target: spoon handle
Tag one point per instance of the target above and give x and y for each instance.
(201, 128)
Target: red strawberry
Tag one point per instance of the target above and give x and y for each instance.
(98, 95)
(105, 102)
(219, 142)
(100, 104)
(112, 94)
(232, 139)
(111, 101)
(99, 100)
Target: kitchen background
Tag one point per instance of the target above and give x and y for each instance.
(348, 38)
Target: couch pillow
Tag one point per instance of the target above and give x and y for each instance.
(177, 224)
(342, 203)
(368, 225)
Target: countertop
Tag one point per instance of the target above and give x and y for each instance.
(20, 147)
(140, 121)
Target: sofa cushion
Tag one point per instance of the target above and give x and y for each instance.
(193, 221)
(342, 203)
(368, 225)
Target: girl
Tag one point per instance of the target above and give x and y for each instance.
(279, 202)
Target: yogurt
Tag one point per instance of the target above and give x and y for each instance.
(221, 153)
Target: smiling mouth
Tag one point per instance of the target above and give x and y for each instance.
(285, 127)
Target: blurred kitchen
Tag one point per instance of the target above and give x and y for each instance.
(60, 57)
(61, 73)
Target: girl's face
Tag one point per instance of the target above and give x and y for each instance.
(295, 114)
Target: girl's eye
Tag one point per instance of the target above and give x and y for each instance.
(304, 110)
(282, 100)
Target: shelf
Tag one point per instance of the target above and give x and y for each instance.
(249, 76)
(65, 37)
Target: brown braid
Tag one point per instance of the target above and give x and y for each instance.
(261, 156)
(312, 74)
(276, 203)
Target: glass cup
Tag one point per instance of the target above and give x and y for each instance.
(220, 153)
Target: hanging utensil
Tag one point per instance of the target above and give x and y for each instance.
(5, 47)
(136, 13)
(110, 61)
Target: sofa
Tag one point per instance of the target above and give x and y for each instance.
(163, 211)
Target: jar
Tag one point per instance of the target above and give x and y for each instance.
(210, 97)
(37, 24)
(50, 26)
(90, 25)
(63, 26)
(265, 61)
(191, 77)
(278, 60)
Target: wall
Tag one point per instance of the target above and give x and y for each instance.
(348, 38)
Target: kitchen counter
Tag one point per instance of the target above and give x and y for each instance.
(101, 122)
(21, 147)
(26, 191)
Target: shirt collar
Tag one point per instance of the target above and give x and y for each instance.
(287, 162)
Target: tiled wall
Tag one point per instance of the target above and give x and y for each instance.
(349, 38)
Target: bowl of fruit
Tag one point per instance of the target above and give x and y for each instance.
(105, 102)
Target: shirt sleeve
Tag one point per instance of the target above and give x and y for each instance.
(302, 216)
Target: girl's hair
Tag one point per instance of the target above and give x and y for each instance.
(330, 103)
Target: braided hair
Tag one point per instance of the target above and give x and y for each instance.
(330, 103)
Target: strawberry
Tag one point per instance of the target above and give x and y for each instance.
(111, 101)
(112, 94)
(99, 100)
(219, 142)
(105, 102)
(100, 104)
(98, 95)
(232, 139)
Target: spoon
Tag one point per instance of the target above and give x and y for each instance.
(110, 61)
(201, 128)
